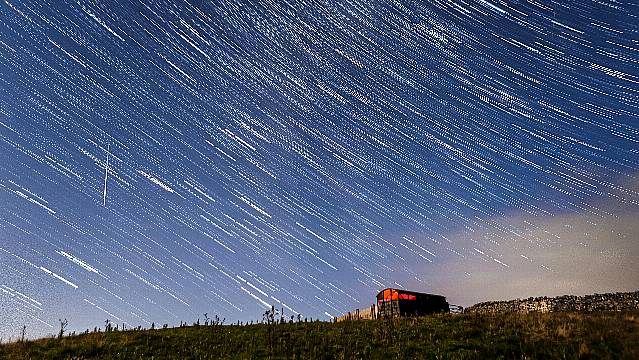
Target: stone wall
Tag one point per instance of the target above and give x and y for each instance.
(569, 303)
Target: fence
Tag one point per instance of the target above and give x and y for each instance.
(369, 313)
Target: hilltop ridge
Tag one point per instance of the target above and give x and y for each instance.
(477, 334)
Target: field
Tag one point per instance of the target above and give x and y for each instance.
(604, 335)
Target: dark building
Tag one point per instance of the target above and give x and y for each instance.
(395, 302)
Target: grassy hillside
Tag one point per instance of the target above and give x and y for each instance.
(467, 336)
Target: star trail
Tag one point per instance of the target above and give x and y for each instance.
(164, 159)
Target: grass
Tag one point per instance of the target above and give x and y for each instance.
(602, 335)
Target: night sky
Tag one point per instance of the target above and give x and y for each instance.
(164, 159)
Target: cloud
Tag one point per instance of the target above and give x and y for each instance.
(594, 250)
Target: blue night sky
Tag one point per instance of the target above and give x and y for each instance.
(163, 159)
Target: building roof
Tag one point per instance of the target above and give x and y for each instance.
(401, 291)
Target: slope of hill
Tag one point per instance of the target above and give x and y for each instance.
(601, 335)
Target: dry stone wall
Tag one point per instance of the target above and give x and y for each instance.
(569, 303)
